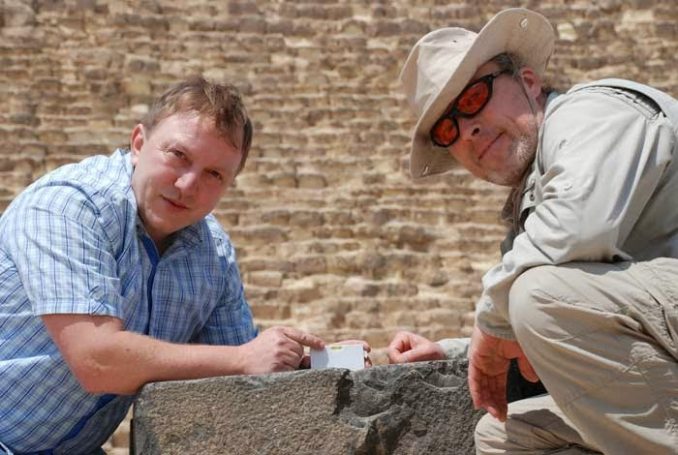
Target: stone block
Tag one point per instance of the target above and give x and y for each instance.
(360, 287)
(395, 409)
(314, 181)
(18, 14)
(271, 311)
(309, 265)
(260, 235)
(306, 218)
(266, 278)
(300, 292)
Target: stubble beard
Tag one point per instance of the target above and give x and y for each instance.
(522, 152)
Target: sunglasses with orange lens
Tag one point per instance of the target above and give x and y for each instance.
(472, 99)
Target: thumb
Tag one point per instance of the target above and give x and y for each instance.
(526, 369)
(303, 338)
(395, 356)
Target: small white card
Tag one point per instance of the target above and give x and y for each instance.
(351, 356)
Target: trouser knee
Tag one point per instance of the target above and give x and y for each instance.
(488, 434)
(530, 291)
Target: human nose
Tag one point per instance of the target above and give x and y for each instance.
(187, 182)
(469, 128)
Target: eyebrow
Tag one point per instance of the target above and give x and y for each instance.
(177, 144)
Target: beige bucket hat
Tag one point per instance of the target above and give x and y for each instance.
(443, 62)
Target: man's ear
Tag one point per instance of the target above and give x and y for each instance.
(136, 141)
(531, 81)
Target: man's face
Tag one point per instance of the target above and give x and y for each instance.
(181, 169)
(499, 143)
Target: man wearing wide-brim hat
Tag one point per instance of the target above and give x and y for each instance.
(585, 297)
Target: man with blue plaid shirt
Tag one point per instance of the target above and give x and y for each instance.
(113, 273)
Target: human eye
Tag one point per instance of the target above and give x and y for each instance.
(216, 175)
(473, 98)
(176, 153)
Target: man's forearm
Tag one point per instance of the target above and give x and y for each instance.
(131, 360)
(107, 359)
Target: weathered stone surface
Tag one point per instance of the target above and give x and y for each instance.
(400, 409)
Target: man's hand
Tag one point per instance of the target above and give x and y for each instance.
(409, 347)
(277, 349)
(105, 358)
(489, 360)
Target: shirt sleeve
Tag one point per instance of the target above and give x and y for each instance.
(230, 323)
(455, 348)
(599, 164)
(63, 255)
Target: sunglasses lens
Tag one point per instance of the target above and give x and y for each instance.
(474, 98)
(444, 132)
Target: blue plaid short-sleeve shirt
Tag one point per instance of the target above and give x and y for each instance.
(72, 243)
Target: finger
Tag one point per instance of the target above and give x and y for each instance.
(395, 356)
(497, 396)
(303, 338)
(400, 342)
(413, 340)
(292, 359)
(283, 364)
(497, 413)
(284, 345)
(501, 406)
(305, 363)
(484, 399)
(296, 348)
(428, 351)
(526, 369)
(421, 354)
(474, 387)
(486, 391)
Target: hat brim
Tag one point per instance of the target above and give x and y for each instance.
(517, 31)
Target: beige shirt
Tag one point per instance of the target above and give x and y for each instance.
(603, 187)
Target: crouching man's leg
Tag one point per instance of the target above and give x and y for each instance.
(533, 426)
(602, 338)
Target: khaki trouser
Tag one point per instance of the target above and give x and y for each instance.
(603, 339)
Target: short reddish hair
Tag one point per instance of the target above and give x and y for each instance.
(220, 102)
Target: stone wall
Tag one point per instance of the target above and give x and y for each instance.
(332, 234)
